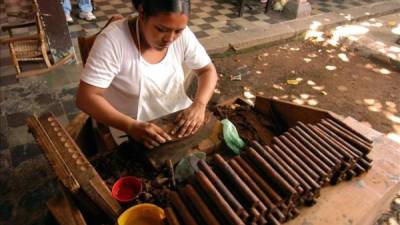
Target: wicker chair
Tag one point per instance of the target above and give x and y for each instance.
(30, 47)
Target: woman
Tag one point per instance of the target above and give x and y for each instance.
(134, 73)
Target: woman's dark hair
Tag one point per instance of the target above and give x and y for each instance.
(154, 7)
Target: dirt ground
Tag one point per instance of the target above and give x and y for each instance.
(331, 78)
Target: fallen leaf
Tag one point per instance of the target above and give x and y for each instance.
(318, 88)
(312, 55)
(248, 94)
(304, 96)
(266, 54)
(385, 71)
(217, 91)
(265, 64)
(292, 82)
(237, 77)
(277, 86)
(369, 101)
(284, 97)
(246, 88)
(324, 93)
(307, 60)
(294, 49)
(311, 83)
(312, 102)
(299, 79)
(391, 23)
(260, 93)
(390, 104)
(343, 57)
(342, 88)
(330, 67)
(298, 101)
(258, 72)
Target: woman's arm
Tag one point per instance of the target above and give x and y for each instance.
(90, 99)
(192, 118)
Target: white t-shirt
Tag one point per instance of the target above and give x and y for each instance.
(135, 87)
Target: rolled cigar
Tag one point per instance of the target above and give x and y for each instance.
(284, 187)
(236, 181)
(301, 160)
(300, 174)
(276, 165)
(361, 145)
(356, 144)
(350, 129)
(253, 186)
(181, 208)
(273, 220)
(254, 215)
(230, 216)
(300, 136)
(336, 144)
(359, 169)
(262, 221)
(271, 193)
(279, 216)
(317, 164)
(321, 144)
(171, 217)
(340, 140)
(350, 174)
(200, 205)
(357, 155)
(228, 196)
(321, 164)
(334, 147)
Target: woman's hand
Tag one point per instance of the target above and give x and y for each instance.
(149, 134)
(190, 120)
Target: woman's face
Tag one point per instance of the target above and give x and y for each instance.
(163, 29)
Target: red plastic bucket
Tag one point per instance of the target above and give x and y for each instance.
(126, 189)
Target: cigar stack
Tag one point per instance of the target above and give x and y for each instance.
(267, 184)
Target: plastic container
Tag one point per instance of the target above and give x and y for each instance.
(126, 189)
(142, 214)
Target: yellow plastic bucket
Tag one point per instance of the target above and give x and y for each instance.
(142, 214)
